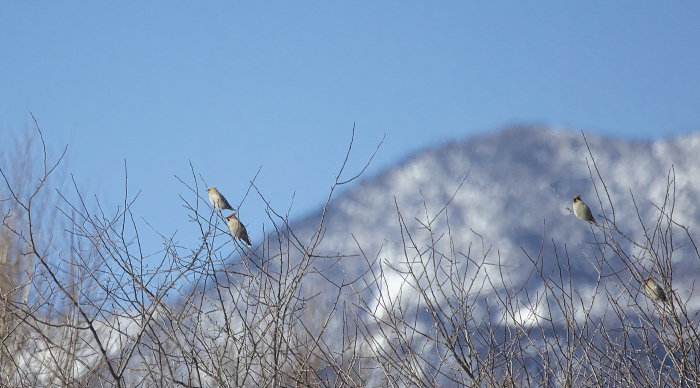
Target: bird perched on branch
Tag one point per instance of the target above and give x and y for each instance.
(218, 200)
(237, 229)
(653, 290)
(582, 211)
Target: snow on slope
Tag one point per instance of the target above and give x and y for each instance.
(508, 199)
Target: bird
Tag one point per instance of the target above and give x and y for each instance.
(218, 200)
(653, 290)
(237, 229)
(582, 211)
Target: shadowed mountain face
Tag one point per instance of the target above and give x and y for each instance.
(509, 199)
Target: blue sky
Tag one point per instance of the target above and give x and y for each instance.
(234, 86)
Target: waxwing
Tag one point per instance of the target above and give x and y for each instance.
(582, 211)
(653, 290)
(218, 200)
(237, 229)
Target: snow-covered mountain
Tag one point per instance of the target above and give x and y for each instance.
(509, 199)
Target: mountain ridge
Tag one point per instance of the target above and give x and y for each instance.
(508, 203)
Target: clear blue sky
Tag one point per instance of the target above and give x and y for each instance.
(233, 86)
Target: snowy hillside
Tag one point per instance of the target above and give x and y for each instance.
(508, 199)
